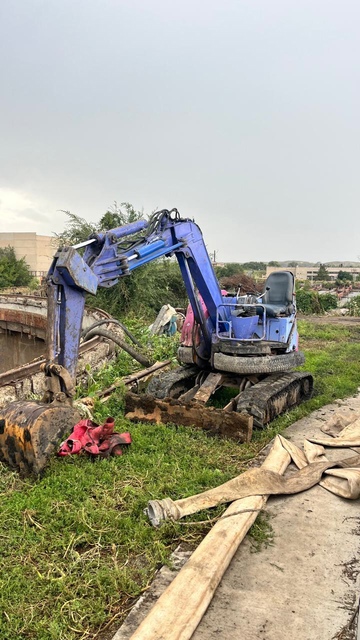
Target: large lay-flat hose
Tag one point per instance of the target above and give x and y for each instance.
(98, 331)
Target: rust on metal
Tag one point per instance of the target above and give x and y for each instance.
(29, 322)
(30, 432)
(13, 375)
(145, 408)
(23, 321)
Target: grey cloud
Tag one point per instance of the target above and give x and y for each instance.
(242, 114)
(34, 216)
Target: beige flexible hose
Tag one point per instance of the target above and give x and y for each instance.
(179, 610)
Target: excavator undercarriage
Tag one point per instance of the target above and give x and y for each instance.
(183, 396)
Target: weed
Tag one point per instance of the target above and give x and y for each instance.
(261, 533)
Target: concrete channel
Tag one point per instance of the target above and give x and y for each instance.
(27, 316)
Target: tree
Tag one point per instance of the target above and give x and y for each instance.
(229, 269)
(322, 273)
(115, 217)
(254, 266)
(79, 229)
(13, 272)
(273, 263)
(345, 276)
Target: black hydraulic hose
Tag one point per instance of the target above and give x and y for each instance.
(121, 343)
(112, 321)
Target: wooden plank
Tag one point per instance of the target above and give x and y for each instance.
(208, 387)
(128, 380)
(189, 395)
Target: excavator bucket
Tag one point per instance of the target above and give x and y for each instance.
(30, 433)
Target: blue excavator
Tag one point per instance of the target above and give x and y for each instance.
(243, 341)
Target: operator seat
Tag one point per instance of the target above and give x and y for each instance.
(279, 298)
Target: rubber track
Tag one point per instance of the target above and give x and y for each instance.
(273, 395)
(165, 385)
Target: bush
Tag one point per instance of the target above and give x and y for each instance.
(328, 301)
(312, 302)
(13, 272)
(354, 306)
(34, 284)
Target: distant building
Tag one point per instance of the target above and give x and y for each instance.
(310, 273)
(37, 250)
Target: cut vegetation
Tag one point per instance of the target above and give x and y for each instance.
(75, 546)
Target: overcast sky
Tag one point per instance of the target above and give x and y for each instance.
(243, 114)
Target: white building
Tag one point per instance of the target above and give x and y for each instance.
(37, 251)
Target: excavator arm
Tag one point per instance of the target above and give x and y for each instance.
(108, 257)
(29, 431)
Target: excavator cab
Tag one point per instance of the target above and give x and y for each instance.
(258, 327)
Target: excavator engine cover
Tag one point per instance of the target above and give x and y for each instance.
(30, 432)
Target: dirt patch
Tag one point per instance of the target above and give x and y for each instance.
(348, 321)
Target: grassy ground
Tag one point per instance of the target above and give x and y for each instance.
(75, 546)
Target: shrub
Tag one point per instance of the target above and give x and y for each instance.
(312, 302)
(354, 306)
(13, 272)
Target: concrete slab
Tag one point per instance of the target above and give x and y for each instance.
(307, 584)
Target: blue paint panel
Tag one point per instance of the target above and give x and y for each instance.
(278, 329)
(75, 271)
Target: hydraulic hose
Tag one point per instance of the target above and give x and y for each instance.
(121, 343)
(112, 321)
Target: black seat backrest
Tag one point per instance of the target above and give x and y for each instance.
(281, 290)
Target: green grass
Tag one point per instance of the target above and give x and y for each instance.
(261, 533)
(75, 546)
